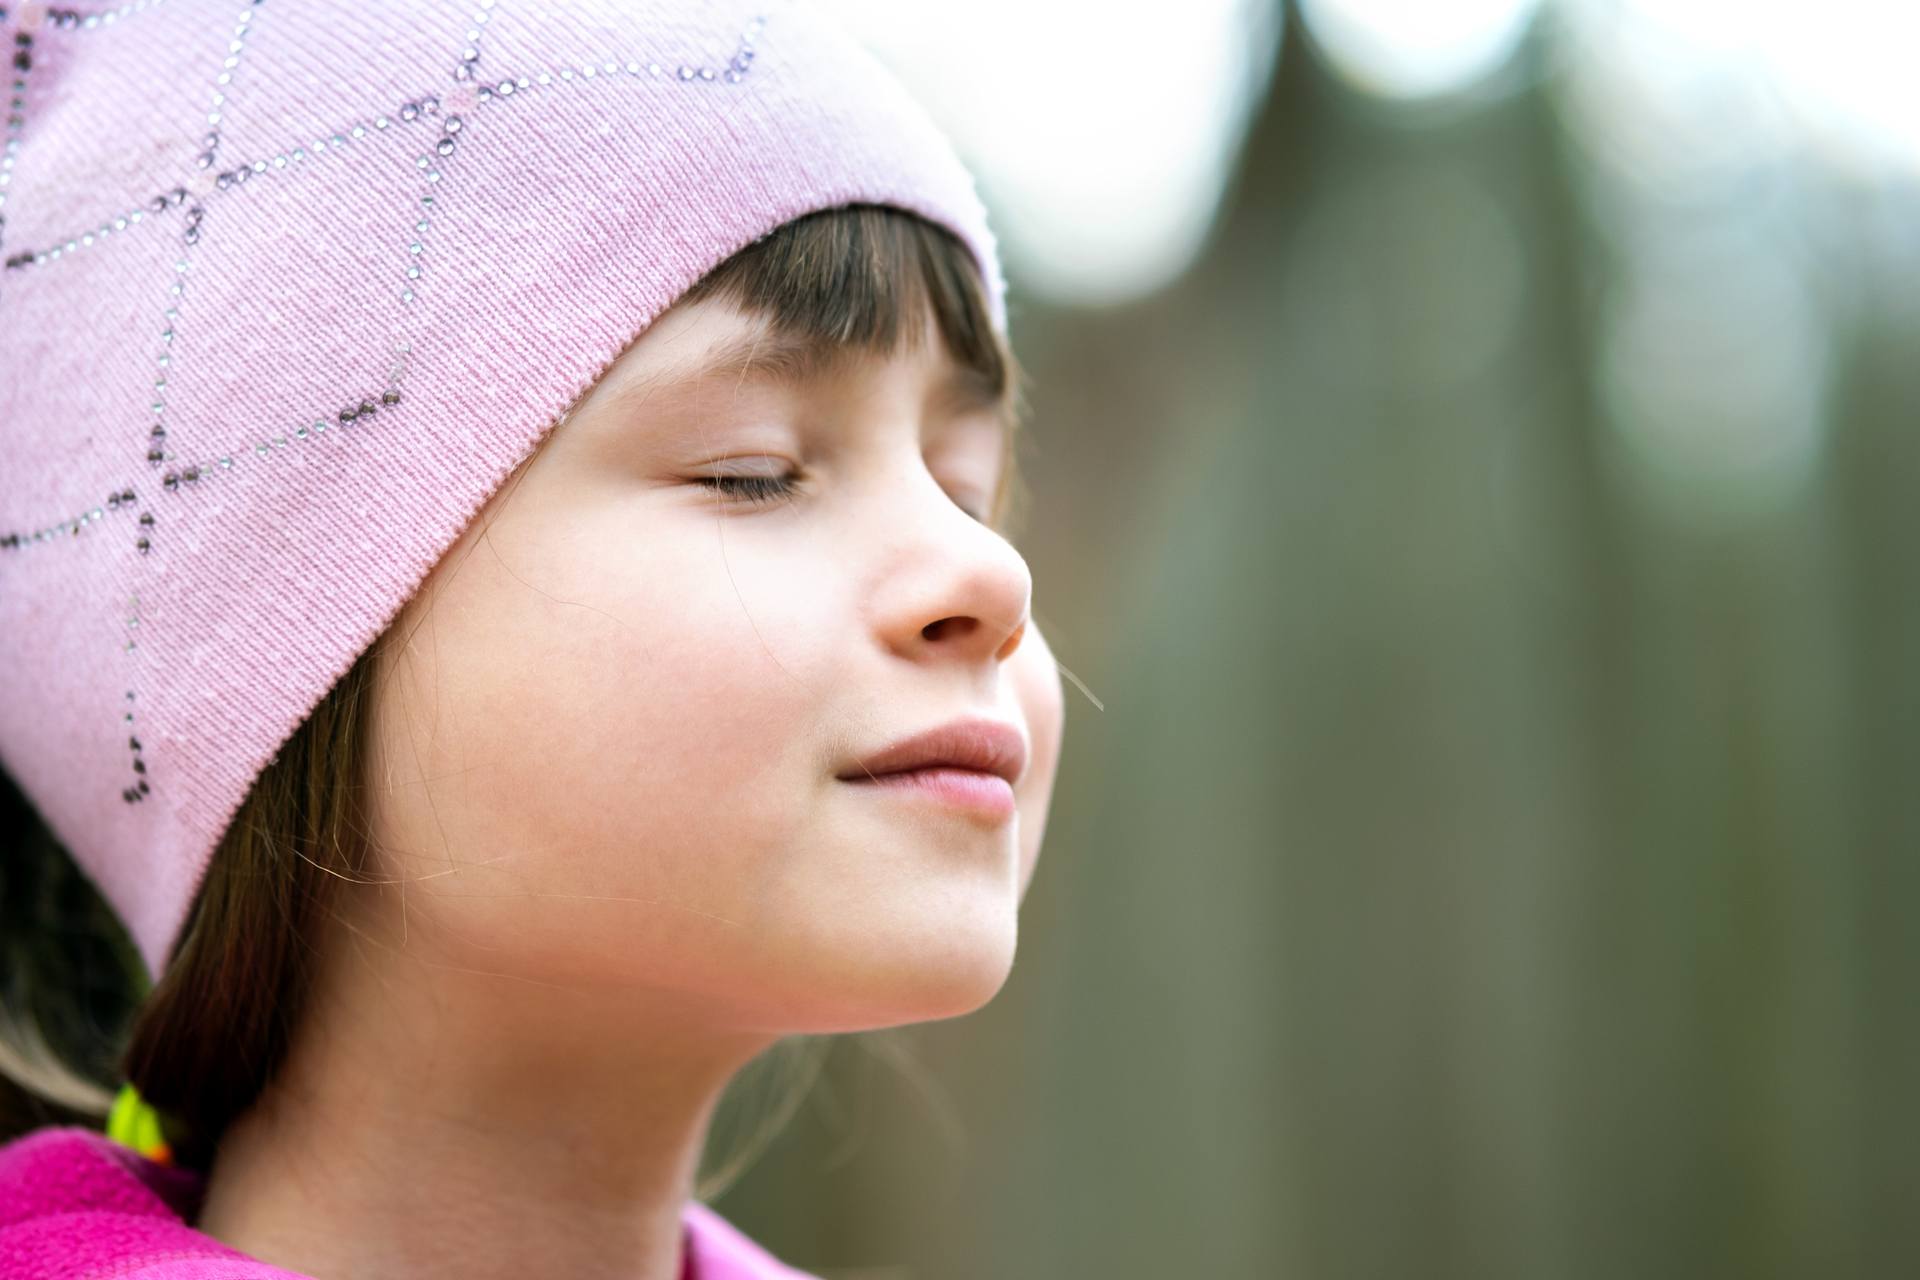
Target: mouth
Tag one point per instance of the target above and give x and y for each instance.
(973, 744)
(972, 790)
(970, 764)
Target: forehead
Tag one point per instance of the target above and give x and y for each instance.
(714, 344)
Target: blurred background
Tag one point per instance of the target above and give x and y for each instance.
(1474, 455)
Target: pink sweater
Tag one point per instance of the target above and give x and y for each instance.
(76, 1205)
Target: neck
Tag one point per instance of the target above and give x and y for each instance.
(430, 1124)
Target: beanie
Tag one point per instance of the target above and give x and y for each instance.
(291, 286)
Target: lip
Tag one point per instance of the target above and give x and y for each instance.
(971, 744)
(986, 794)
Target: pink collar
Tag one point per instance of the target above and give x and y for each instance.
(76, 1204)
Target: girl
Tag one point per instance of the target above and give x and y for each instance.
(564, 634)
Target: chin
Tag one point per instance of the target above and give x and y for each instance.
(924, 978)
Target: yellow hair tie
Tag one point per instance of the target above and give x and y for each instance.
(134, 1123)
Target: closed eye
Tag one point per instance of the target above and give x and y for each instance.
(753, 489)
(766, 490)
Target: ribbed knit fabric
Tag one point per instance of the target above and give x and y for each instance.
(290, 286)
(75, 1205)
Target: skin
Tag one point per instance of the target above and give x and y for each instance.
(605, 795)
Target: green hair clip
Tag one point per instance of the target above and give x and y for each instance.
(134, 1123)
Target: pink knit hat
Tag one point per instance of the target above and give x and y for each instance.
(290, 288)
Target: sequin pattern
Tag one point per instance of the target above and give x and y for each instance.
(442, 119)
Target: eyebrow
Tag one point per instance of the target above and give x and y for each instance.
(797, 360)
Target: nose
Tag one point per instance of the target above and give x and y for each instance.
(951, 587)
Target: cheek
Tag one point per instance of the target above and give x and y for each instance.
(598, 757)
(1036, 680)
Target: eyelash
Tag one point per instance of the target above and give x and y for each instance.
(754, 489)
(761, 490)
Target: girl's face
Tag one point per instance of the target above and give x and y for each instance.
(609, 753)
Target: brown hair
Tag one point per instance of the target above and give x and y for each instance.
(203, 1042)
